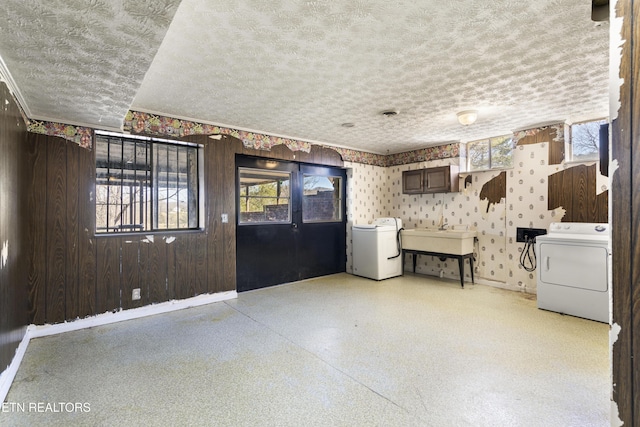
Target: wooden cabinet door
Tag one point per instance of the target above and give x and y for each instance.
(437, 180)
(413, 181)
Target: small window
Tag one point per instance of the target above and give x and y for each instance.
(585, 140)
(322, 199)
(264, 196)
(144, 184)
(492, 153)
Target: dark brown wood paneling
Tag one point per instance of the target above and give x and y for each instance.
(172, 284)
(555, 193)
(199, 257)
(495, 189)
(184, 269)
(625, 194)
(580, 208)
(231, 147)
(602, 204)
(280, 152)
(37, 230)
(574, 189)
(130, 272)
(87, 240)
(108, 274)
(556, 147)
(72, 290)
(157, 274)
(214, 195)
(143, 272)
(555, 142)
(15, 152)
(56, 230)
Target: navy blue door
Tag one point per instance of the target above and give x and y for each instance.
(291, 222)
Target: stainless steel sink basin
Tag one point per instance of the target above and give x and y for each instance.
(455, 241)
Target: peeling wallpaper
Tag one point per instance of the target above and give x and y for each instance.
(377, 191)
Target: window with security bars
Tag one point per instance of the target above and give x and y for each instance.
(145, 184)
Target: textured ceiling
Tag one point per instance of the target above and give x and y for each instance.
(300, 68)
(80, 61)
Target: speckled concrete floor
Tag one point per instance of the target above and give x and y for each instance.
(339, 350)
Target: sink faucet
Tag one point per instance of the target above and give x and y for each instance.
(442, 224)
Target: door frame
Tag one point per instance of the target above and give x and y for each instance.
(290, 240)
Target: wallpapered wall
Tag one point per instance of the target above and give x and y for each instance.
(376, 191)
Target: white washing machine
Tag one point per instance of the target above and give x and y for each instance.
(377, 253)
(573, 270)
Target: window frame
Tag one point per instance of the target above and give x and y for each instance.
(489, 149)
(569, 131)
(289, 220)
(151, 189)
(339, 200)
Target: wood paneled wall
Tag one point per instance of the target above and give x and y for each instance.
(574, 189)
(494, 190)
(74, 273)
(625, 221)
(550, 136)
(14, 187)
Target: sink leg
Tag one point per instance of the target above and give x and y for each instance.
(471, 265)
(461, 268)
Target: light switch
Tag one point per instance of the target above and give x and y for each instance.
(225, 218)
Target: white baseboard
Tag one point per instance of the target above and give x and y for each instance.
(37, 331)
(7, 376)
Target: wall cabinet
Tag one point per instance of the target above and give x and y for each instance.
(442, 179)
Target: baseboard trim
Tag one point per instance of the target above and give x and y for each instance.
(37, 331)
(7, 376)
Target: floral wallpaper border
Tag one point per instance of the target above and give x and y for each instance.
(83, 136)
(151, 124)
(139, 122)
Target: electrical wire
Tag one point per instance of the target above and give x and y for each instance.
(398, 240)
(528, 255)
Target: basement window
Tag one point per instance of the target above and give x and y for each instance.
(145, 184)
(584, 140)
(492, 153)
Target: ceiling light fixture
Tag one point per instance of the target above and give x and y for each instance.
(216, 136)
(467, 117)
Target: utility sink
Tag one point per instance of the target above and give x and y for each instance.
(454, 241)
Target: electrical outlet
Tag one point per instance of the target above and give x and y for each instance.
(524, 234)
(135, 294)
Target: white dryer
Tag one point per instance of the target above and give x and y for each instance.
(377, 252)
(573, 270)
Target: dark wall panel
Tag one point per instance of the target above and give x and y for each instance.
(72, 234)
(574, 189)
(86, 240)
(625, 221)
(37, 228)
(108, 275)
(56, 221)
(157, 274)
(131, 273)
(15, 153)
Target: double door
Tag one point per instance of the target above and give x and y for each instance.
(291, 221)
